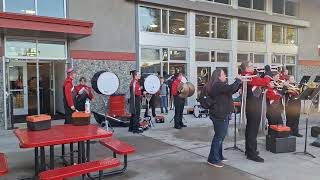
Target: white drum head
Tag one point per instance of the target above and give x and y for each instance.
(184, 79)
(108, 83)
(152, 84)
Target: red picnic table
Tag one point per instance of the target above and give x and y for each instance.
(60, 135)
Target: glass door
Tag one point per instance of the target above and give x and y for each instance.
(18, 87)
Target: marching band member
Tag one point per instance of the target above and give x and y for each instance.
(274, 104)
(68, 91)
(220, 113)
(253, 110)
(135, 102)
(293, 109)
(178, 102)
(284, 74)
(83, 93)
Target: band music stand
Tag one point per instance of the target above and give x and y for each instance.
(308, 94)
(317, 79)
(305, 80)
(235, 147)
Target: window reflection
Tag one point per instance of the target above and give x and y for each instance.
(223, 27)
(177, 55)
(150, 19)
(20, 6)
(291, 35)
(202, 56)
(202, 26)
(276, 34)
(223, 57)
(243, 30)
(177, 22)
(150, 63)
(52, 8)
(49, 49)
(15, 48)
(259, 32)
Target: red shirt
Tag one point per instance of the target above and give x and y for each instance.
(174, 87)
(257, 81)
(80, 86)
(137, 90)
(273, 94)
(282, 77)
(68, 88)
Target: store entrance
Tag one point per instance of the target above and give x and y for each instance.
(32, 87)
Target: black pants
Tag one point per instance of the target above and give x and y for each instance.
(68, 113)
(152, 105)
(253, 113)
(135, 118)
(293, 109)
(274, 113)
(178, 111)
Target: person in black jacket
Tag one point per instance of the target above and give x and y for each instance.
(220, 112)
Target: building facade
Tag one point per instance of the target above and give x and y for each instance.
(41, 38)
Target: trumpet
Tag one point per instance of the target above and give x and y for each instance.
(248, 78)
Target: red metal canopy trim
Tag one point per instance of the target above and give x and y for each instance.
(41, 23)
(102, 55)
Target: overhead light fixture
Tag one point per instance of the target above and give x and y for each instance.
(153, 25)
(182, 29)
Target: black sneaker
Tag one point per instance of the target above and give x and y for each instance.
(177, 127)
(256, 158)
(183, 125)
(138, 131)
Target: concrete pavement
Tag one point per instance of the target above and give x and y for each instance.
(166, 153)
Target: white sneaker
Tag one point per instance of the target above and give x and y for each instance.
(217, 165)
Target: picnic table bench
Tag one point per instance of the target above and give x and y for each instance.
(3, 165)
(80, 169)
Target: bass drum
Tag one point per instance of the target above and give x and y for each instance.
(106, 83)
(152, 84)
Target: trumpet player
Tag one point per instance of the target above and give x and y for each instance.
(274, 104)
(293, 107)
(253, 109)
(178, 102)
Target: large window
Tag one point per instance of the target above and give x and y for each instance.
(243, 30)
(34, 48)
(177, 23)
(213, 27)
(291, 35)
(257, 58)
(251, 31)
(286, 7)
(150, 19)
(223, 57)
(150, 61)
(253, 4)
(52, 8)
(223, 28)
(162, 21)
(202, 56)
(162, 61)
(202, 26)
(288, 61)
(284, 34)
(277, 34)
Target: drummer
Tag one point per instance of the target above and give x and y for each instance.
(178, 102)
(135, 102)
